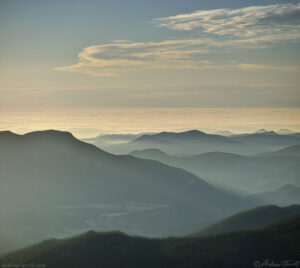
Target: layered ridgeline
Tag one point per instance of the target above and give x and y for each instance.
(55, 185)
(286, 195)
(291, 151)
(196, 142)
(262, 172)
(276, 243)
(251, 219)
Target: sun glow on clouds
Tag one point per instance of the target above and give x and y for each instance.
(245, 28)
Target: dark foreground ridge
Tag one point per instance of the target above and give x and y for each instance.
(278, 242)
(251, 219)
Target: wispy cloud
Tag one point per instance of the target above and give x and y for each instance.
(244, 22)
(117, 57)
(245, 28)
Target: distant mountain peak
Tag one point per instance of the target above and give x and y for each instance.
(51, 133)
(163, 136)
(261, 131)
(41, 136)
(193, 132)
(7, 133)
(9, 136)
(265, 132)
(182, 137)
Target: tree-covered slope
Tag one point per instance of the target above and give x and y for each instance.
(279, 242)
(251, 219)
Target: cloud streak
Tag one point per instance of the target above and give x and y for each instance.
(118, 57)
(244, 22)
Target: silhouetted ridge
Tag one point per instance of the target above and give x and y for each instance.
(191, 135)
(50, 134)
(261, 131)
(251, 219)
(8, 138)
(276, 242)
(64, 138)
(8, 134)
(45, 135)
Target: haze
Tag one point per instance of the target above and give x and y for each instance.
(149, 133)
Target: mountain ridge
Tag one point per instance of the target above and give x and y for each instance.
(252, 219)
(71, 181)
(253, 173)
(277, 242)
(176, 136)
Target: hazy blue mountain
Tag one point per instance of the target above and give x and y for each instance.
(288, 194)
(62, 185)
(292, 151)
(268, 138)
(251, 219)
(191, 135)
(197, 142)
(236, 172)
(188, 142)
(278, 242)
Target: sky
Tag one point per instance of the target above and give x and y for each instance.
(132, 65)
